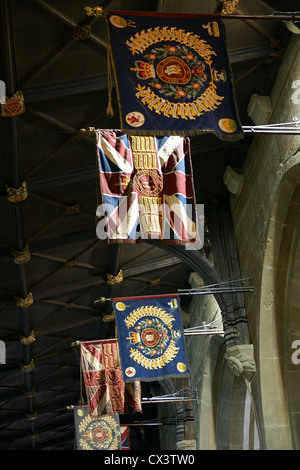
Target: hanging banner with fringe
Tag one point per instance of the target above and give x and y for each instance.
(105, 389)
(150, 337)
(101, 433)
(172, 74)
(146, 187)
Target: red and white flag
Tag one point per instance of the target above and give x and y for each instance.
(105, 388)
(125, 437)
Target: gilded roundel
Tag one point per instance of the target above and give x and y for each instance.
(118, 21)
(150, 337)
(148, 182)
(173, 70)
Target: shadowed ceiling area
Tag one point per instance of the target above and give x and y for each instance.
(55, 54)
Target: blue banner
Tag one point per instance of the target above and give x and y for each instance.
(146, 187)
(150, 337)
(172, 74)
(100, 433)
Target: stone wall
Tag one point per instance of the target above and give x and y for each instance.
(203, 354)
(232, 413)
(265, 237)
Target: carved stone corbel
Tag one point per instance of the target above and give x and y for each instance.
(241, 360)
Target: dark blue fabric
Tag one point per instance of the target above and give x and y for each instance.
(150, 337)
(173, 75)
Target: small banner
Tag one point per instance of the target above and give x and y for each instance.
(105, 388)
(101, 433)
(146, 187)
(125, 437)
(172, 74)
(151, 339)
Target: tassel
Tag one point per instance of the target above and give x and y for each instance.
(109, 109)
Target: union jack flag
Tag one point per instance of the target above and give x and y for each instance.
(147, 188)
(125, 440)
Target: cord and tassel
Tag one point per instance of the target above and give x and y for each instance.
(109, 110)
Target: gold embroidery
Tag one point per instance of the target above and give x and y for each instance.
(208, 101)
(140, 41)
(141, 312)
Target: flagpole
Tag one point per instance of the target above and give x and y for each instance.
(194, 331)
(220, 288)
(276, 15)
(276, 128)
(146, 297)
(172, 397)
(148, 424)
(280, 128)
(166, 400)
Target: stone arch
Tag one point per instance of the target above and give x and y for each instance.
(209, 413)
(292, 317)
(279, 317)
(209, 275)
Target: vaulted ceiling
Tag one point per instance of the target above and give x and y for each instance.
(55, 54)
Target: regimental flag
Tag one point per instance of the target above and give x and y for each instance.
(147, 188)
(125, 437)
(150, 338)
(172, 74)
(105, 389)
(101, 433)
